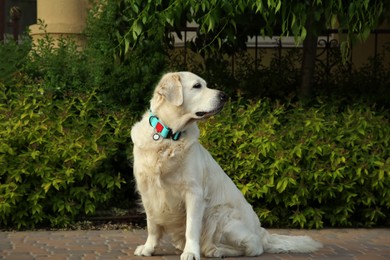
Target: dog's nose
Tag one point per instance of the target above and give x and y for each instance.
(223, 96)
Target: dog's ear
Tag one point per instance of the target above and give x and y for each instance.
(170, 87)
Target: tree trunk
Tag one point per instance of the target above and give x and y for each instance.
(308, 62)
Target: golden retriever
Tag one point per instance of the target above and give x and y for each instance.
(184, 192)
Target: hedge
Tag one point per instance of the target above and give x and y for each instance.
(57, 156)
(307, 167)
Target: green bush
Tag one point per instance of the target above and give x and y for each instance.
(58, 65)
(13, 56)
(306, 167)
(57, 156)
(124, 80)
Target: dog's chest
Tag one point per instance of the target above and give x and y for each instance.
(159, 158)
(162, 197)
(159, 175)
(166, 195)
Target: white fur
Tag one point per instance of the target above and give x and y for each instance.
(185, 193)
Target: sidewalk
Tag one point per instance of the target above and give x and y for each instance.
(362, 244)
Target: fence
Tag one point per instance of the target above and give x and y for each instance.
(327, 44)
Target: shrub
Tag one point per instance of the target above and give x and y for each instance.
(124, 80)
(306, 167)
(56, 156)
(58, 64)
(13, 56)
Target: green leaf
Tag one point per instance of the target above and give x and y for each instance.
(303, 34)
(282, 184)
(333, 21)
(127, 45)
(135, 8)
(136, 29)
(46, 186)
(278, 5)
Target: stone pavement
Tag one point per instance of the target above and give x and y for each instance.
(362, 244)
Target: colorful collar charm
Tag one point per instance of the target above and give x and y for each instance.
(161, 129)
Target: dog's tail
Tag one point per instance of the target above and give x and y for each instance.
(290, 244)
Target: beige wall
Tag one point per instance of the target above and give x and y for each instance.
(364, 50)
(62, 17)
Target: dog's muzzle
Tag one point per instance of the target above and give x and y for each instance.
(222, 98)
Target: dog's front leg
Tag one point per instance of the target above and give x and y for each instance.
(194, 217)
(154, 236)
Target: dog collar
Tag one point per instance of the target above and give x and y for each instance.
(161, 129)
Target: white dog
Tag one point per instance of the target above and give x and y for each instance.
(185, 193)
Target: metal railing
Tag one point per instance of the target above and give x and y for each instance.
(327, 45)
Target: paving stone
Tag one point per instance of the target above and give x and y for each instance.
(343, 244)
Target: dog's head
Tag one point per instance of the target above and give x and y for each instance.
(184, 94)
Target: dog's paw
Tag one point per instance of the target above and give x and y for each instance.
(144, 251)
(189, 256)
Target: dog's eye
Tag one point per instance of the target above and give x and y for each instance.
(197, 85)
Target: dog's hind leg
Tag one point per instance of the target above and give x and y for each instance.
(222, 251)
(237, 240)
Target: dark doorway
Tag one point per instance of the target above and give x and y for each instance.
(16, 16)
